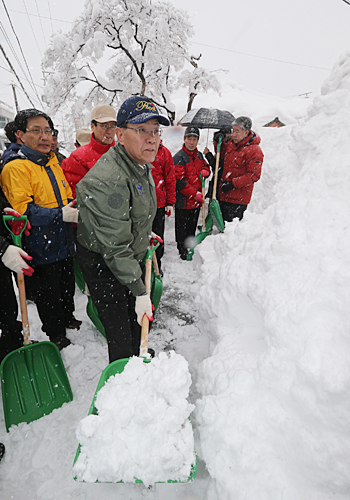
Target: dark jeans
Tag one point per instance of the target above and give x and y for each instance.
(185, 227)
(53, 287)
(11, 329)
(115, 305)
(232, 211)
(158, 228)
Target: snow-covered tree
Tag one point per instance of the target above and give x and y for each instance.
(198, 80)
(142, 44)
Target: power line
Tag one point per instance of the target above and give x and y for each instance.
(2, 67)
(262, 57)
(48, 4)
(14, 72)
(42, 17)
(2, 29)
(32, 28)
(20, 47)
(41, 25)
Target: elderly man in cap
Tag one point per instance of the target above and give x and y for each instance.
(117, 203)
(103, 125)
(242, 168)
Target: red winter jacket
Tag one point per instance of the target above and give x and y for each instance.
(242, 166)
(81, 160)
(188, 165)
(163, 172)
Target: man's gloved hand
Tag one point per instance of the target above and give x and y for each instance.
(205, 173)
(16, 226)
(155, 238)
(143, 305)
(199, 197)
(12, 259)
(222, 133)
(226, 186)
(169, 210)
(70, 214)
(217, 136)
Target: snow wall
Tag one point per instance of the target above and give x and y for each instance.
(274, 418)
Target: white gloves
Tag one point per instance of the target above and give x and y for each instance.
(143, 306)
(12, 259)
(155, 237)
(70, 214)
(169, 210)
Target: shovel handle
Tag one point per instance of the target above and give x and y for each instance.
(155, 263)
(23, 306)
(16, 238)
(17, 241)
(203, 204)
(145, 320)
(216, 169)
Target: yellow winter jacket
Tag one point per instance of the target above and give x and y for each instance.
(24, 182)
(39, 192)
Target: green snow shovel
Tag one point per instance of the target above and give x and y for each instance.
(119, 365)
(205, 229)
(78, 275)
(111, 370)
(34, 381)
(156, 280)
(214, 207)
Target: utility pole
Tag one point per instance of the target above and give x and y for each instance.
(15, 96)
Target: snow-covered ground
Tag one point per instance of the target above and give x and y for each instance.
(261, 315)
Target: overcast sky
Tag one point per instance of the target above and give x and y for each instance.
(277, 47)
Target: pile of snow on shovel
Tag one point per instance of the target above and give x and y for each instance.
(142, 429)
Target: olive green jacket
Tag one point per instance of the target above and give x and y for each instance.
(117, 204)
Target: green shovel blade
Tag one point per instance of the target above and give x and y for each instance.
(34, 382)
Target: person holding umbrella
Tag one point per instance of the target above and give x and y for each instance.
(189, 164)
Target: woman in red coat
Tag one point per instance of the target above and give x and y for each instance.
(189, 164)
(242, 168)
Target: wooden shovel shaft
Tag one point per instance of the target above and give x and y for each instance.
(155, 263)
(23, 306)
(145, 320)
(216, 170)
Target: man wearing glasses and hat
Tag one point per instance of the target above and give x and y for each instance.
(35, 186)
(103, 125)
(117, 203)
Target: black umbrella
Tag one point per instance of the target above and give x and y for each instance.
(207, 118)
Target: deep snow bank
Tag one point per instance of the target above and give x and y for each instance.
(274, 419)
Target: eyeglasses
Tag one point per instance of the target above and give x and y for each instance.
(39, 131)
(105, 126)
(143, 132)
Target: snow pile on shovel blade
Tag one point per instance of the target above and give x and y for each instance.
(142, 428)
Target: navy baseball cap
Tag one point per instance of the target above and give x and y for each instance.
(139, 109)
(192, 131)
